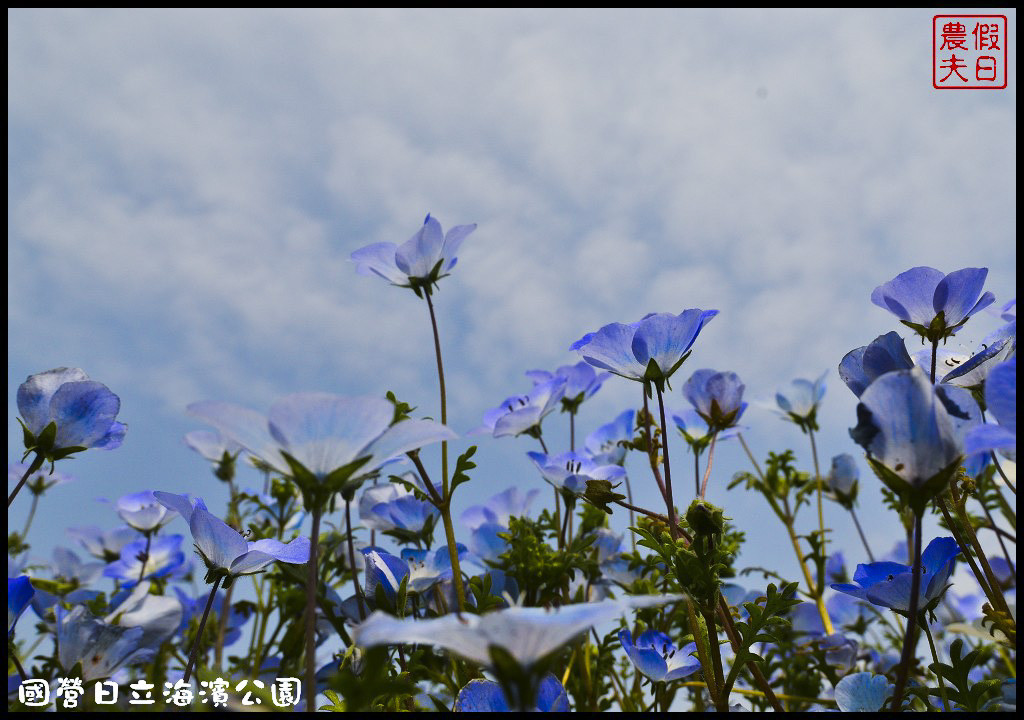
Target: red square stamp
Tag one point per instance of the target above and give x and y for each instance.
(969, 52)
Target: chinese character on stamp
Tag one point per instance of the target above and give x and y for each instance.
(969, 52)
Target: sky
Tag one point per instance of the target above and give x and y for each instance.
(185, 188)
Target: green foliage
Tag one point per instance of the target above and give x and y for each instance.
(968, 695)
(542, 572)
(765, 621)
(462, 467)
(370, 685)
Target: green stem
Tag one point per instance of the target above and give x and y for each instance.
(860, 532)
(145, 557)
(222, 623)
(995, 461)
(812, 588)
(199, 634)
(311, 590)
(652, 450)
(31, 514)
(444, 397)
(716, 659)
(821, 512)
(910, 639)
(935, 659)
(453, 554)
(668, 467)
(36, 464)
(707, 473)
(352, 561)
(696, 473)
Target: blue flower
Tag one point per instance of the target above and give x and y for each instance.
(934, 305)
(101, 649)
(911, 430)
(211, 445)
(392, 507)
(842, 478)
(862, 366)
(717, 397)
(40, 481)
(655, 655)
(192, 609)
(226, 553)
(995, 348)
(887, 584)
(570, 471)
(487, 696)
(419, 262)
(611, 558)
(162, 558)
(606, 445)
(649, 350)
(499, 508)
(528, 634)
(523, 413)
(863, 692)
(1001, 400)
(83, 412)
(321, 440)
(382, 569)
(19, 594)
(581, 382)
(159, 616)
(105, 545)
(799, 402)
(695, 430)
(143, 512)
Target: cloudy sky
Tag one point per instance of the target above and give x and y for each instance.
(185, 187)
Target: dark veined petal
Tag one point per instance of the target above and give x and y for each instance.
(665, 338)
(894, 593)
(851, 371)
(937, 555)
(84, 412)
(957, 295)
(910, 295)
(481, 696)
(683, 663)
(35, 393)
(871, 573)
(551, 696)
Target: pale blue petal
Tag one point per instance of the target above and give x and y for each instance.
(646, 659)
(863, 692)
(35, 393)
(295, 552)
(404, 436)
(418, 255)
(379, 259)
(219, 543)
(246, 427)
(180, 504)
(611, 348)
(250, 562)
(665, 338)
(1001, 394)
(956, 294)
(452, 241)
(84, 412)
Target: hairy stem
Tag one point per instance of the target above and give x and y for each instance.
(860, 532)
(668, 466)
(910, 639)
(36, 464)
(199, 634)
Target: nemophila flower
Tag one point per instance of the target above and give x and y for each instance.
(695, 430)
(649, 350)
(611, 559)
(717, 397)
(69, 568)
(499, 508)
(606, 444)
(799, 401)
(863, 692)
(523, 413)
(382, 569)
(487, 696)
(1008, 312)
(226, 553)
(655, 655)
(99, 648)
(842, 478)
(862, 366)
(143, 512)
(393, 507)
(971, 371)
(192, 609)
(103, 544)
(19, 595)
(570, 471)
(887, 584)
(211, 445)
(159, 559)
(1001, 401)
(526, 634)
(581, 382)
(82, 411)
(322, 440)
(909, 429)
(931, 303)
(159, 616)
(38, 482)
(419, 262)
